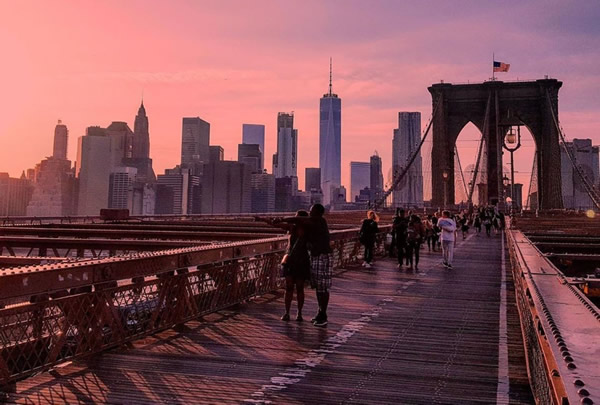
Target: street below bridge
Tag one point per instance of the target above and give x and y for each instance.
(394, 337)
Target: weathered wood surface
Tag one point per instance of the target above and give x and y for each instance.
(394, 337)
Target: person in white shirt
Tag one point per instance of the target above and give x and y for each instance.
(448, 227)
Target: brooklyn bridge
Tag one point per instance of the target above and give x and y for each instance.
(186, 309)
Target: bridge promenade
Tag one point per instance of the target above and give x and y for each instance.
(402, 337)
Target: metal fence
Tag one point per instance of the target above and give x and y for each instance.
(60, 312)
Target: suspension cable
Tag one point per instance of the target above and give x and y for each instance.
(462, 175)
(589, 188)
(398, 178)
(480, 150)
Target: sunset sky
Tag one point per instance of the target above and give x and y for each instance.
(234, 62)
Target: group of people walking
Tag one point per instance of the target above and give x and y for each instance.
(309, 255)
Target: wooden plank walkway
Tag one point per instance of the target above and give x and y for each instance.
(394, 337)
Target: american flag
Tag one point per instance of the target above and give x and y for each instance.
(501, 66)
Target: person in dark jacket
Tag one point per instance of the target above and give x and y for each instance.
(415, 235)
(367, 236)
(321, 258)
(295, 265)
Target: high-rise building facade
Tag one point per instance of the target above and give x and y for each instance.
(226, 188)
(285, 161)
(93, 168)
(376, 182)
(121, 138)
(61, 141)
(406, 139)
(254, 134)
(178, 192)
(195, 141)
(263, 192)
(587, 159)
(54, 192)
(120, 188)
(285, 191)
(312, 179)
(15, 195)
(250, 155)
(141, 134)
(216, 153)
(54, 184)
(360, 177)
(140, 149)
(330, 141)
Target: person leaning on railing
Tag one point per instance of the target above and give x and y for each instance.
(295, 264)
(321, 259)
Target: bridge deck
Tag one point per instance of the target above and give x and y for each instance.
(432, 336)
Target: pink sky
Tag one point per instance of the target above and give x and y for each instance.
(234, 62)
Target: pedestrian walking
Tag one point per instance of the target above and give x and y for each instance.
(487, 223)
(367, 236)
(477, 224)
(448, 227)
(399, 227)
(414, 239)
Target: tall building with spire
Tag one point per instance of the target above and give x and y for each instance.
(140, 148)
(330, 141)
(141, 134)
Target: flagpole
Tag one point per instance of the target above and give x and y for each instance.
(493, 60)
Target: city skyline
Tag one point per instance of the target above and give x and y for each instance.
(371, 71)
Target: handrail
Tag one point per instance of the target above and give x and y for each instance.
(83, 308)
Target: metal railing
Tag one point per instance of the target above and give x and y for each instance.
(546, 385)
(64, 311)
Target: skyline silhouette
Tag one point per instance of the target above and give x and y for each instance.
(229, 69)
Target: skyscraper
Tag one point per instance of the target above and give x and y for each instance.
(330, 141)
(285, 161)
(61, 140)
(121, 138)
(120, 188)
(263, 192)
(254, 134)
(15, 195)
(226, 188)
(360, 177)
(586, 157)
(250, 155)
(195, 140)
(312, 179)
(216, 153)
(93, 169)
(376, 183)
(141, 134)
(406, 139)
(140, 149)
(177, 192)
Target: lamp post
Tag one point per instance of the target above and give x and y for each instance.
(512, 142)
(445, 175)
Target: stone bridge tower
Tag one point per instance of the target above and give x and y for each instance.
(493, 107)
